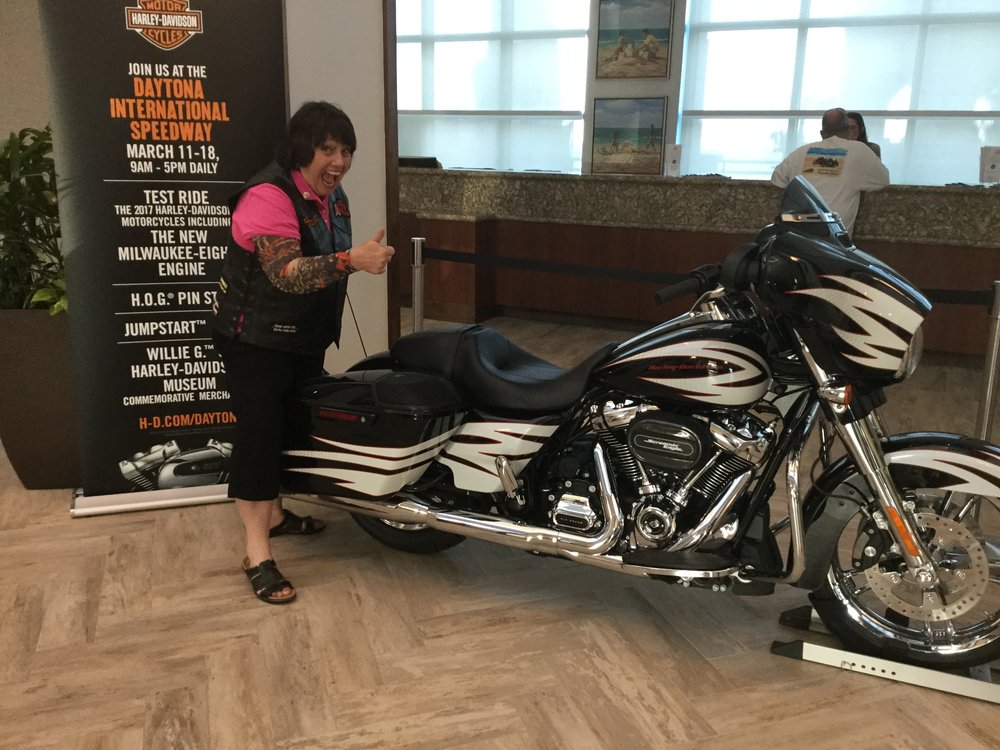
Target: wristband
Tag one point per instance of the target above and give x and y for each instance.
(344, 263)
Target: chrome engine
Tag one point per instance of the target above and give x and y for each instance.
(676, 475)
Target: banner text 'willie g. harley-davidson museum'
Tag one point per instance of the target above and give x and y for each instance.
(161, 109)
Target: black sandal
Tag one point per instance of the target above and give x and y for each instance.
(293, 524)
(266, 580)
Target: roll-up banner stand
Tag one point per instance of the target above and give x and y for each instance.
(161, 109)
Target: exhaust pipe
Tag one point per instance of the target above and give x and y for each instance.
(501, 530)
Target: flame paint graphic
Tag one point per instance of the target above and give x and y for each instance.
(372, 470)
(472, 452)
(881, 348)
(971, 474)
(746, 382)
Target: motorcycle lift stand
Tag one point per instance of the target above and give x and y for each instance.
(977, 685)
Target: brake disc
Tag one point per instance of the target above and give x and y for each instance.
(963, 574)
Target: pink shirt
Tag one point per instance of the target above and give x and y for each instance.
(267, 210)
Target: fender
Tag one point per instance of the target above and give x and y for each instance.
(936, 460)
(378, 361)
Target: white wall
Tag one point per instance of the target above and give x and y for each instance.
(334, 52)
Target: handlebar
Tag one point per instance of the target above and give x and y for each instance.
(699, 281)
(736, 274)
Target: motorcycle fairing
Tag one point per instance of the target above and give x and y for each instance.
(917, 459)
(885, 325)
(857, 315)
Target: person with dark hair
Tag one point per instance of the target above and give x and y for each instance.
(278, 308)
(856, 131)
(839, 169)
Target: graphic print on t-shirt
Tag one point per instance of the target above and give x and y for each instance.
(828, 161)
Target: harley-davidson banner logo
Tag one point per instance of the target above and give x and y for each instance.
(165, 23)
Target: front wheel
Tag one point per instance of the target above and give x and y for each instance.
(873, 604)
(407, 537)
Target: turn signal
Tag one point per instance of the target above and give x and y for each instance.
(837, 395)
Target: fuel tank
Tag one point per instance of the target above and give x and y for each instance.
(717, 363)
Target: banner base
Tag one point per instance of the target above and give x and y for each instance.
(96, 505)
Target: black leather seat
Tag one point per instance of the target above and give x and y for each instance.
(492, 371)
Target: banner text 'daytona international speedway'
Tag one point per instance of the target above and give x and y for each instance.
(161, 109)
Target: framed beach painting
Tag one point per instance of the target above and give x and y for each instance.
(633, 38)
(628, 136)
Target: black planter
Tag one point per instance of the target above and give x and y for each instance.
(38, 410)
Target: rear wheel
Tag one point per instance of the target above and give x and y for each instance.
(407, 537)
(874, 605)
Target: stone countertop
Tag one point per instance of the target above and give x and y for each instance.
(961, 215)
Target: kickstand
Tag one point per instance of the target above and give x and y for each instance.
(978, 684)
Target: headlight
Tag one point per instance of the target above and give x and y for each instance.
(912, 357)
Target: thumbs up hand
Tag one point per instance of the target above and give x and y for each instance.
(372, 256)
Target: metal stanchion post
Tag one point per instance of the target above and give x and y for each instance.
(984, 423)
(418, 282)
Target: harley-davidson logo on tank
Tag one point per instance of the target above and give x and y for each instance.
(706, 370)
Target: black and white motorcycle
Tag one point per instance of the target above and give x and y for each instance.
(658, 456)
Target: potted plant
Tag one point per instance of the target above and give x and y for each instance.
(38, 416)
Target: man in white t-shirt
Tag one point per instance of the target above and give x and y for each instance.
(839, 169)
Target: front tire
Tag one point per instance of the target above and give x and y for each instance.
(872, 604)
(417, 538)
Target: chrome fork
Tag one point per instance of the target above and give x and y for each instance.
(862, 439)
(862, 443)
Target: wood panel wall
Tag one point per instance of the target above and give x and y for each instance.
(473, 292)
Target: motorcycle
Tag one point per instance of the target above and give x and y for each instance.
(658, 456)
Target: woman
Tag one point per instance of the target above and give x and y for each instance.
(279, 305)
(858, 132)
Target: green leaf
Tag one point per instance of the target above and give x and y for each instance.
(31, 263)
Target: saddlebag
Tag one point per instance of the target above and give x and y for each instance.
(368, 433)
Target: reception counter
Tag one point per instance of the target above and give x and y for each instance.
(599, 245)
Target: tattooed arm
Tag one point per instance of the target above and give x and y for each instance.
(290, 271)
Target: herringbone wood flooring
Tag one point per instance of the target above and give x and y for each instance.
(139, 631)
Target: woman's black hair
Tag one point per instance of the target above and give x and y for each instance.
(310, 127)
(862, 130)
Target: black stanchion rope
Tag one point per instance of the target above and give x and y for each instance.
(572, 269)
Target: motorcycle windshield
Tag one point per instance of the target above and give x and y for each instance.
(802, 198)
(805, 208)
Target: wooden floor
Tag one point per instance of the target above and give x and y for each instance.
(139, 631)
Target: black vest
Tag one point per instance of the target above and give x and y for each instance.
(250, 307)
